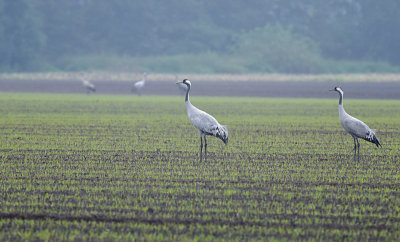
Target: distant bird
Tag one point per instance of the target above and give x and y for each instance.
(205, 123)
(356, 128)
(182, 87)
(88, 85)
(139, 85)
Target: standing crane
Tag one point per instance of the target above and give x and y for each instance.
(139, 85)
(88, 85)
(356, 128)
(203, 122)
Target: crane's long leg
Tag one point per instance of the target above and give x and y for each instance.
(201, 147)
(358, 147)
(205, 148)
(355, 147)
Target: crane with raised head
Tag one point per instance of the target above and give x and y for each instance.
(355, 127)
(203, 122)
(139, 85)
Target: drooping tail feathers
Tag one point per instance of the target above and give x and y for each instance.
(375, 140)
(222, 133)
(371, 137)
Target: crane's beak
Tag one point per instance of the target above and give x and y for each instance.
(331, 89)
(179, 82)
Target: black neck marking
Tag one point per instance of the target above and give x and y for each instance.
(187, 92)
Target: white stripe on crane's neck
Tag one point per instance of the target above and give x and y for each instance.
(340, 96)
(342, 112)
(187, 93)
(189, 107)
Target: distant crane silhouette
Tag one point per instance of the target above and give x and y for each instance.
(88, 85)
(203, 122)
(356, 128)
(139, 85)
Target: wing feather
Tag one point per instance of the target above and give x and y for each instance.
(355, 127)
(206, 124)
(203, 121)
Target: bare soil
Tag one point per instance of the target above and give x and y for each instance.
(294, 89)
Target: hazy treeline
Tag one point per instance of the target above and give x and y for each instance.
(259, 35)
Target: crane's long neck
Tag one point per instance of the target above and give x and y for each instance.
(342, 112)
(340, 98)
(189, 106)
(187, 94)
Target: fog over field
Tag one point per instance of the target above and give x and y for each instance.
(268, 36)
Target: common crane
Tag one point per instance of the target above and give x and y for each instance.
(205, 123)
(88, 85)
(139, 85)
(356, 128)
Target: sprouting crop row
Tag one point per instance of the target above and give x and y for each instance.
(93, 167)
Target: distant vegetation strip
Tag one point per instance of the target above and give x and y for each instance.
(129, 76)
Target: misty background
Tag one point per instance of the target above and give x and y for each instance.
(220, 36)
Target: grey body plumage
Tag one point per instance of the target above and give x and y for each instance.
(355, 127)
(139, 85)
(203, 122)
(88, 86)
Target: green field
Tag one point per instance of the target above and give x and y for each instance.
(77, 167)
